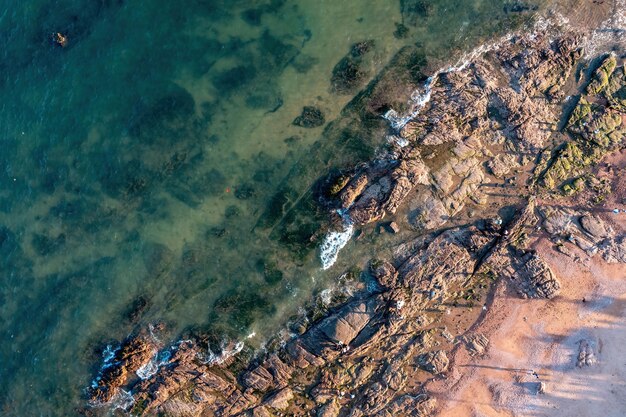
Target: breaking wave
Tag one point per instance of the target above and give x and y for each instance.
(333, 243)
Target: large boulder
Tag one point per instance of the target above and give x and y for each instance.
(595, 226)
(586, 354)
(280, 399)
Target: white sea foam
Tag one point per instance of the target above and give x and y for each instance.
(333, 243)
(108, 354)
(152, 367)
(122, 400)
(217, 359)
(326, 296)
(147, 370)
(151, 330)
(397, 140)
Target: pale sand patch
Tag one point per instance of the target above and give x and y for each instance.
(544, 336)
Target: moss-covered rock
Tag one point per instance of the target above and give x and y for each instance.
(601, 77)
(574, 187)
(607, 130)
(338, 184)
(597, 128)
(615, 92)
(563, 163)
(580, 113)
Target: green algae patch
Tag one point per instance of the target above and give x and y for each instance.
(596, 127)
(596, 130)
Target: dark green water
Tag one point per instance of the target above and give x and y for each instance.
(150, 170)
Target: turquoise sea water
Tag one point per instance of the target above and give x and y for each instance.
(150, 170)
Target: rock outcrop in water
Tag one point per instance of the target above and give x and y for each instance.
(488, 138)
(121, 367)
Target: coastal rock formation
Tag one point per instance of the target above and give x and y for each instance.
(369, 344)
(121, 367)
(480, 141)
(470, 110)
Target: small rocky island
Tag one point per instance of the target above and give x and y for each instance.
(501, 161)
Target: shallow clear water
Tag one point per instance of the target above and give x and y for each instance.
(150, 170)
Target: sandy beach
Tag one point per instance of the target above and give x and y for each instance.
(537, 342)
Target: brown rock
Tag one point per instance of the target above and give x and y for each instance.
(385, 273)
(445, 261)
(595, 226)
(502, 164)
(536, 279)
(186, 373)
(418, 405)
(434, 362)
(476, 343)
(343, 327)
(330, 409)
(260, 411)
(280, 400)
(259, 379)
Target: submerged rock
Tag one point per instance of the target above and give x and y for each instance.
(350, 73)
(311, 117)
(384, 273)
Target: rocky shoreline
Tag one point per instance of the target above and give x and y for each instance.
(480, 173)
